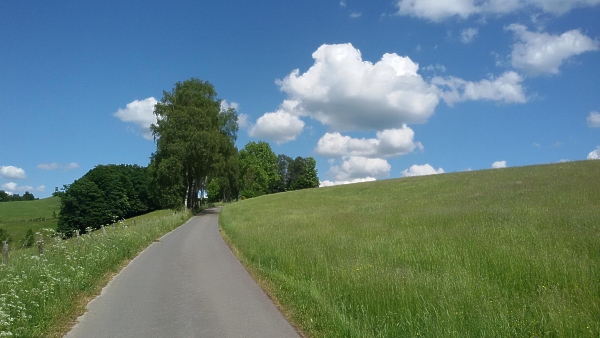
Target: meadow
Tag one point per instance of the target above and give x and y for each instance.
(18, 217)
(495, 253)
(41, 294)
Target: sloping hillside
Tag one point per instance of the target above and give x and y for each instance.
(507, 253)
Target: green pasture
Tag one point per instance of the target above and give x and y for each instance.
(17, 217)
(495, 253)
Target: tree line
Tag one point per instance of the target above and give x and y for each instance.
(195, 157)
(6, 197)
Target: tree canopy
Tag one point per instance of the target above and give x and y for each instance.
(194, 140)
(103, 194)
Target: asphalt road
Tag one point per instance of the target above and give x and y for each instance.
(189, 284)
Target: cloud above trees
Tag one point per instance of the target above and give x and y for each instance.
(141, 114)
(11, 172)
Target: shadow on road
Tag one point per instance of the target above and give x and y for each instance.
(209, 211)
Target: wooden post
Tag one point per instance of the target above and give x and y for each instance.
(5, 252)
(103, 230)
(40, 244)
(78, 238)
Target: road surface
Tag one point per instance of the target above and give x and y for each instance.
(188, 284)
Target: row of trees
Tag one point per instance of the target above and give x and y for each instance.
(103, 195)
(195, 156)
(6, 197)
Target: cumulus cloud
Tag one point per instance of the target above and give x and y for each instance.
(357, 180)
(346, 93)
(593, 119)
(594, 155)
(499, 164)
(279, 127)
(355, 15)
(140, 113)
(421, 170)
(13, 173)
(435, 10)
(506, 88)
(353, 167)
(467, 35)
(12, 187)
(55, 165)
(538, 53)
(435, 68)
(389, 142)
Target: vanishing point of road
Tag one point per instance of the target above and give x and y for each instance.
(188, 284)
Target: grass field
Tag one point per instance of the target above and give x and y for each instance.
(17, 217)
(42, 294)
(496, 253)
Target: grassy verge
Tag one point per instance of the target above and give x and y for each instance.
(40, 294)
(495, 253)
(18, 217)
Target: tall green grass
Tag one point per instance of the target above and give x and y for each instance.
(18, 217)
(40, 294)
(496, 253)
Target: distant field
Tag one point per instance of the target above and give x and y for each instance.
(17, 217)
(496, 253)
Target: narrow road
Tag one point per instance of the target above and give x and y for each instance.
(189, 284)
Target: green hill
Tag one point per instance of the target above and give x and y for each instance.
(499, 253)
(17, 217)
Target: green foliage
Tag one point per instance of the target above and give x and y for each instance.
(258, 169)
(495, 253)
(5, 236)
(213, 191)
(194, 138)
(29, 239)
(297, 174)
(103, 194)
(5, 197)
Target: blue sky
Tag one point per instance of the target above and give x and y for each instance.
(371, 89)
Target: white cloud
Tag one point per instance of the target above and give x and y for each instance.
(48, 166)
(389, 142)
(140, 113)
(71, 166)
(226, 105)
(12, 187)
(467, 35)
(434, 68)
(594, 155)
(436, 10)
(357, 180)
(244, 121)
(11, 172)
(279, 127)
(499, 164)
(538, 53)
(355, 15)
(506, 88)
(421, 170)
(41, 188)
(343, 3)
(353, 167)
(593, 119)
(55, 165)
(346, 93)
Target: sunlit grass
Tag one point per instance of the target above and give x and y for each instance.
(40, 293)
(17, 217)
(496, 253)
